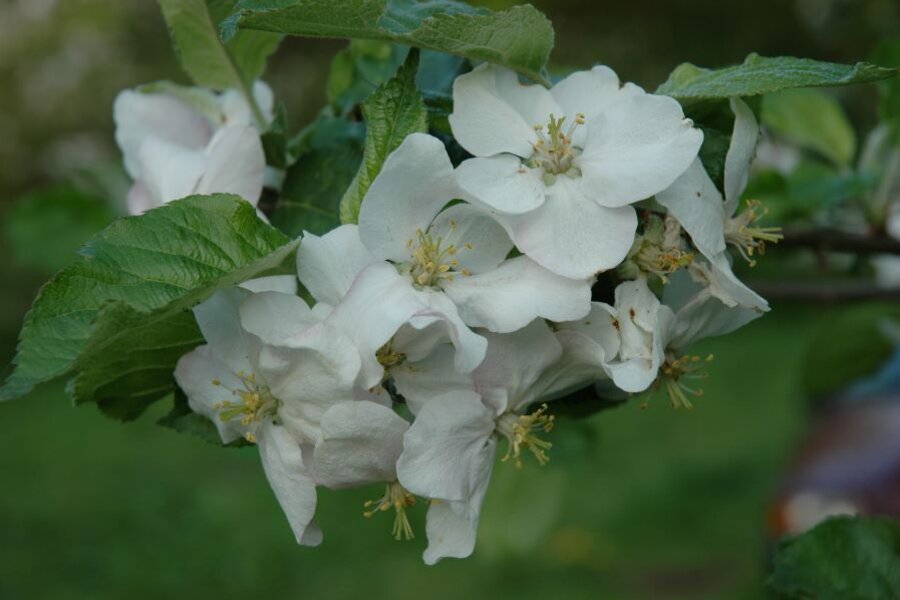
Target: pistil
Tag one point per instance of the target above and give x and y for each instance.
(554, 151)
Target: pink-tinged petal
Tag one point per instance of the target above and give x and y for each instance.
(443, 450)
(636, 148)
(236, 164)
(516, 293)
(494, 113)
(502, 183)
(292, 483)
(740, 153)
(481, 242)
(328, 265)
(140, 117)
(697, 205)
(573, 236)
(415, 183)
(360, 444)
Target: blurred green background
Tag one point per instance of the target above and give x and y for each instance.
(635, 503)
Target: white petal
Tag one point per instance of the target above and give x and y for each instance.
(481, 242)
(515, 293)
(452, 527)
(236, 110)
(588, 345)
(494, 113)
(377, 305)
(169, 172)
(274, 317)
(697, 205)
(589, 93)
(469, 346)
(416, 181)
(219, 320)
(740, 153)
(140, 117)
(443, 450)
(636, 148)
(328, 265)
(725, 285)
(311, 372)
(235, 164)
(285, 284)
(360, 444)
(514, 362)
(573, 236)
(502, 183)
(195, 374)
(707, 316)
(431, 377)
(291, 482)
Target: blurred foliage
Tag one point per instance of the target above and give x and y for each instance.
(844, 558)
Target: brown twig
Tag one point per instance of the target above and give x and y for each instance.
(832, 240)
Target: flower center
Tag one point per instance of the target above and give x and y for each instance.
(553, 151)
(254, 402)
(396, 497)
(741, 232)
(521, 431)
(675, 371)
(433, 261)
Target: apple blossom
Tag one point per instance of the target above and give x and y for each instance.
(560, 167)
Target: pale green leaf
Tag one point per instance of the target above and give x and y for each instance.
(764, 75)
(193, 25)
(151, 267)
(811, 119)
(394, 111)
(520, 37)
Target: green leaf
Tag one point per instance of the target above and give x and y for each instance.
(764, 75)
(520, 37)
(847, 347)
(359, 69)
(193, 25)
(844, 558)
(394, 111)
(183, 420)
(151, 267)
(275, 141)
(811, 119)
(330, 152)
(64, 215)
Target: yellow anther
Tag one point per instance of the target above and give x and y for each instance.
(430, 261)
(521, 433)
(553, 152)
(741, 232)
(253, 404)
(675, 371)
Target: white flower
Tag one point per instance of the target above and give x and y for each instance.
(454, 260)
(710, 220)
(560, 167)
(448, 452)
(268, 373)
(192, 142)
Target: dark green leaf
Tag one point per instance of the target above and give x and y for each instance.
(330, 152)
(46, 229)
(520, 37)
(151, 266)
(359, 69)
(275, 141)
(393, 112)
(764, 75)
(844, 558)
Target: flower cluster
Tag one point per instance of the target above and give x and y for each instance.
(436, 332)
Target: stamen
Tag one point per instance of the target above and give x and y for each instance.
(431, 262)
(673, 373)
(521, 433)
(255, 403)
(396, 497)
(553, 152)
(748, 239)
